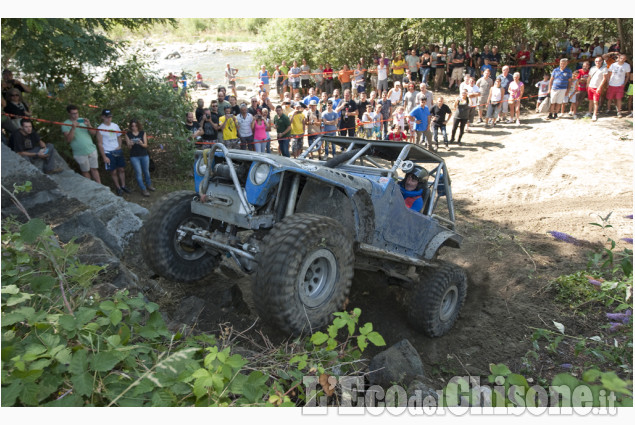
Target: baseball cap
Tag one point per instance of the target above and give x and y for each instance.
(313, 102)
(106, 113)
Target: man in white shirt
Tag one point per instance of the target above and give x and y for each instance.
(617, 75)
(109, 145)
(595, 81)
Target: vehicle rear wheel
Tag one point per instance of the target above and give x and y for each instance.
(437, 298)
(170, 252)
(304, 275)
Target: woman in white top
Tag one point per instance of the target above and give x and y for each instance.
(494, 103)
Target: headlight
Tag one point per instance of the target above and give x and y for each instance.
(200, 167)
(259, 173)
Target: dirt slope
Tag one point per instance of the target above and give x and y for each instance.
(511, 185)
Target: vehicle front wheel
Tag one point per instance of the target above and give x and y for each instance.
(437, 298)
(167, 250)
(304, 274)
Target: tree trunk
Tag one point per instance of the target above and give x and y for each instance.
(468, 34)
(620, 34)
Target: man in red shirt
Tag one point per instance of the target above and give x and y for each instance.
(522, 57)
(583, 74)
(328, 79)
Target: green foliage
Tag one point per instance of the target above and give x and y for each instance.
(130, 90)
(339, 41)
(117, 351)
(50, 48)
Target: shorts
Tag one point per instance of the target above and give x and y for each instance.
(594, 94)
(295, 84)
(116, 160)
(505, 104)
(471, 114)
(305, 83)
(298, 141)
(457, 73)
(571, 99)
(86, 162)
(361, 89)
(346, 86)
(232, 83)
(615, 92)
(557, 96)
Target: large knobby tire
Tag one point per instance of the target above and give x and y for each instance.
(437, 298)
(181, 261)
(304, 275)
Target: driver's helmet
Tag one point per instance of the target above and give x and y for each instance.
(419, 173)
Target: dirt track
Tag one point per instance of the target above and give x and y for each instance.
(511, 185)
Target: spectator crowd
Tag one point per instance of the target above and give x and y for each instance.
(406, 96)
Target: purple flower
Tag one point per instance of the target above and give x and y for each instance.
(629, 216)
(628, 240)
(566, 365)
(595, 282)
(620, 317)
(564, 237)
(614, 326)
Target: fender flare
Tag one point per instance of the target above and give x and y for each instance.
(442, 238)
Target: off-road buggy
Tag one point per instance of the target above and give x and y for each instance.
(302, 226)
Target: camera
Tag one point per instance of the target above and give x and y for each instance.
(208, 116)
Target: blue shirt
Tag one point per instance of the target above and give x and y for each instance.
(487, 66)
(336, 102)
(308, 99)
(505, 80)
(329, 116)
(561, 78)
(264, 77)
(421, 114)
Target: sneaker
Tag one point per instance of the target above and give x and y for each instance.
(630, 115)
(125, 189)
(145, 193)
(549, 117)
(595, 118)
(570, 113)
(555, 117)
(509, 121)
(151, 188)
(619, 115)
(480, 120)
(517, 122)
(587, 115)
(119, 191)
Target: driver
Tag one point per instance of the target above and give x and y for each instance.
(413, 187)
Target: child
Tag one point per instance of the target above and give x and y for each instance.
(377, 123)
(570, 96)
(411, 129)
(368, 121)
(543, 90)
(398, 118)
(397, 135)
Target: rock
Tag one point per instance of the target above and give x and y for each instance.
(173, 55)
(189, 310)
(422, 391)
(399, 364)
(241, 87)
(87, 223)
(95, 251)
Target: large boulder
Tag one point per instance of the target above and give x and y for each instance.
(399, 364)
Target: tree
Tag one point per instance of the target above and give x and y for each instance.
(50, 48)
